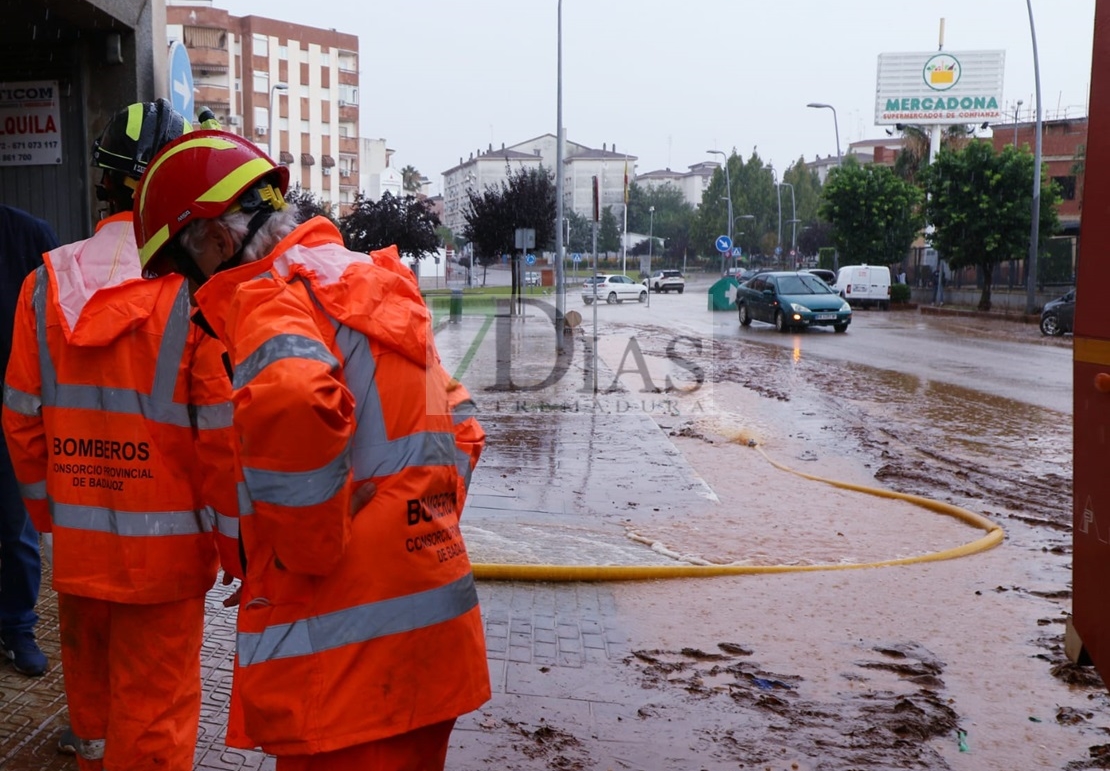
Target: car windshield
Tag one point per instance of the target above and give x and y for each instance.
(802, 285)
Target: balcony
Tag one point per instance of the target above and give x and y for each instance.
(348, 146)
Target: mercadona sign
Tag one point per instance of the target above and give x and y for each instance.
(939, 87)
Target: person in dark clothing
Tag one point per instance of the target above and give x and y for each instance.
(23, 240)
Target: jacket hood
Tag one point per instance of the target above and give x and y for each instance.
(98, 288)
(375, 294)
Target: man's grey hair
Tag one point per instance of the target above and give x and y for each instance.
(278, 226)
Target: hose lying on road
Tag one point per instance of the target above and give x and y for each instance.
(992, 537)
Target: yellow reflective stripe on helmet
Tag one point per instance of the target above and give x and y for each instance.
(153, 244)
(214, 142)
(135, 120)
(233, 183)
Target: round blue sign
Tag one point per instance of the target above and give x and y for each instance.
(530, 259)
(724, 244)
(181, 80)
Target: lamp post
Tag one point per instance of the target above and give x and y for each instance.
(1034, 232)
(836, 127)
(836, 124)
(560, 245)
(728, 184)
(1017, 107)
(737, 219)
(651, 243)
(273, 89)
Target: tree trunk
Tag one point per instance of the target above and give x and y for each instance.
(985, 298)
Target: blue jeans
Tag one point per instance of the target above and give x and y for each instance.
(20, 563)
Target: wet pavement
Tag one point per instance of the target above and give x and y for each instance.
(946, 665)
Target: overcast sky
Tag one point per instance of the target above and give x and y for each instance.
(666, 81)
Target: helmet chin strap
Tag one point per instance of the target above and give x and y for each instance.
(256, 222)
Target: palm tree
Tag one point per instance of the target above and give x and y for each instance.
(916, 144)
(411, 179)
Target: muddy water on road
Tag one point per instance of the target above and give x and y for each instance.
(950, 665)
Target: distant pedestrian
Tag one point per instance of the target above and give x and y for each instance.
(360, 636)
(23, 240)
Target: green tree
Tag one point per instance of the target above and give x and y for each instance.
(411, 179)
(981, 207)
(525, 200)
(670, 223)
(753, 193)
(309, 205)
(408, 222)
(609, 234)
(875, 214)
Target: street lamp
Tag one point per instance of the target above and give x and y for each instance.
(836, 124)
(1034, 232)
(1017, 107)
(742, 217)
(728, 184)
(273, 88)
(651, 243)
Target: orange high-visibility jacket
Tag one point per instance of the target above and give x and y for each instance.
(108, 391)
(352, 628)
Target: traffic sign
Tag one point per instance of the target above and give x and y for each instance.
(736, 252)
(724, 244)
(791, 252)
(530, 259)
(577, 258)
(181, 80)
(778, 251)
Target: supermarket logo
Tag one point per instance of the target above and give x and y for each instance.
(942, 72)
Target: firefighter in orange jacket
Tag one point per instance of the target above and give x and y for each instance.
(360, 636)
(108, 391)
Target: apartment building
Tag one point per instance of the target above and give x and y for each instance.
(580, 165)
(291, 89)
(692, 183)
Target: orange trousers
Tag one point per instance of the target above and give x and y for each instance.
(424, 749)
(132, 679)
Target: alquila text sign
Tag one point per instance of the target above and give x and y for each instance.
(939, 87)
(30, 123)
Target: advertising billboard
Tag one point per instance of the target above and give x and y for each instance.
(939, 87)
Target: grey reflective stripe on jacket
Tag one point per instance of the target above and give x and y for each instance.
(359, 624)
(129, 523)
(372, 453)
(158, 406)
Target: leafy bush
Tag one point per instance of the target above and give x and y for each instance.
(900, 293)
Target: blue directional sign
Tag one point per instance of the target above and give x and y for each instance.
(724, 244)
(181, 80)
(577, 258)
(778, 251)
(530, 259)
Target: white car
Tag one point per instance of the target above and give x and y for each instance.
(613, 288)
(666, 281)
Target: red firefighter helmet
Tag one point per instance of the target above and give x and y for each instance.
(199, 176)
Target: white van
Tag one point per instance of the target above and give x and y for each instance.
(864, 285)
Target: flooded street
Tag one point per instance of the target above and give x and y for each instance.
(687, 456)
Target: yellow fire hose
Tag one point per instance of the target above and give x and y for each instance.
(992, 537)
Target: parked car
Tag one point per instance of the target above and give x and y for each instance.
(1058, 316)
(613, 288)
(828, 276)
(792, 300)
(531, 278)
(865, 285)
(666, 281)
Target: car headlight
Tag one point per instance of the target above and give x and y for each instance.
(845, 307)
(799, 308)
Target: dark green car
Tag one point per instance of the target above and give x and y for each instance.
(792, 301)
